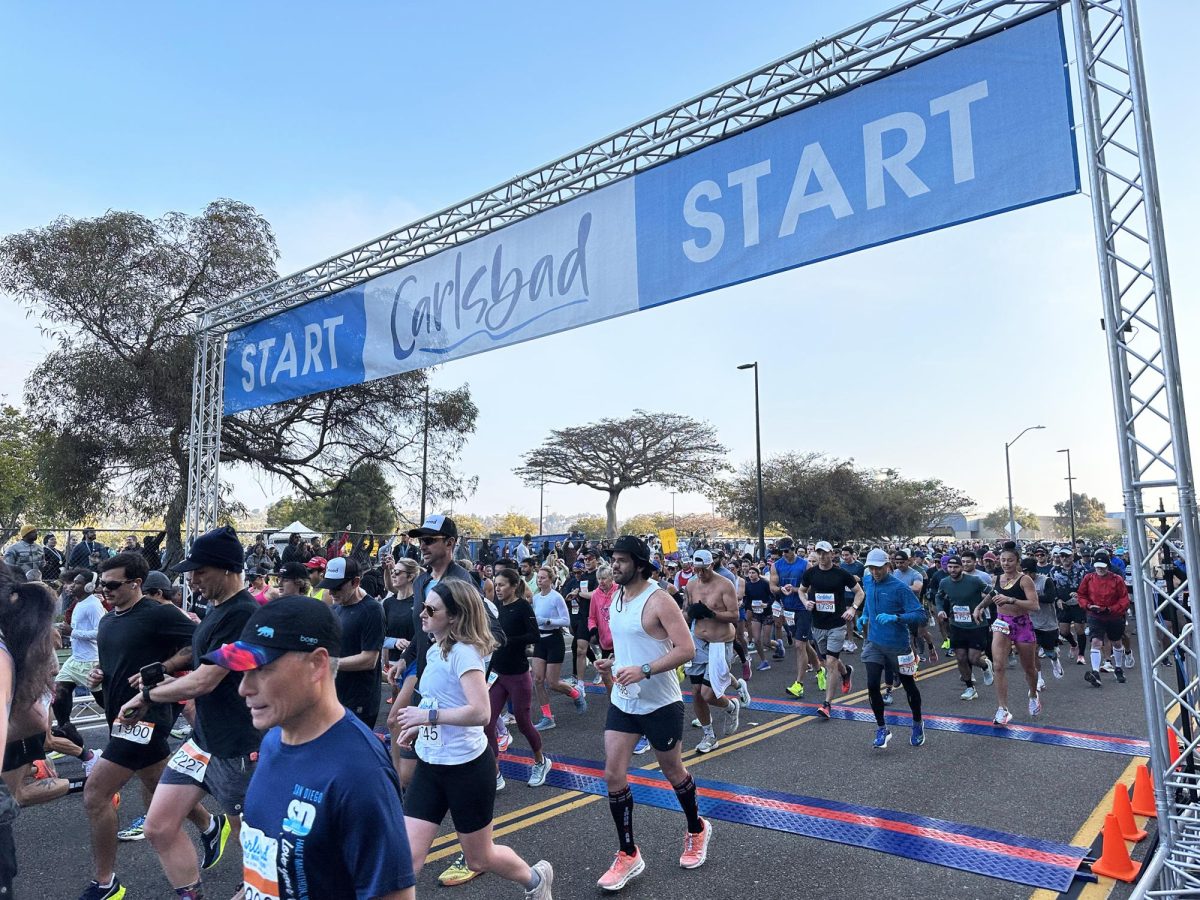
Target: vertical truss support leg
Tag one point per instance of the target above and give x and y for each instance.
(204, 439)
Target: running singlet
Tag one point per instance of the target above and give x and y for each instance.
(305, 832)
(758, 596)
(633, 647)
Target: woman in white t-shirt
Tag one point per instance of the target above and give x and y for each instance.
(456, 771)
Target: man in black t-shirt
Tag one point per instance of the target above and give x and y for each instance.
(359, 670)
(137, 633)
(219, 758)
(823, 590)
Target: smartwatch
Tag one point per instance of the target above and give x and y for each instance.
(646, 670)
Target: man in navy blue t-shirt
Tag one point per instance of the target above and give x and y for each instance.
(323, 818)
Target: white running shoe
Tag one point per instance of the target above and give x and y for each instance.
(1041, 686)
(731, 717)
(1108, 667)
(1035, 706)
(91, 763)
(538, 773)
(1056, 668)
(743, 691)
(989, 673)
(1002, 717)
(969, 694)
(707, 743)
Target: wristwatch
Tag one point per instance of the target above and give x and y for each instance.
(646, 669)
(146, 694)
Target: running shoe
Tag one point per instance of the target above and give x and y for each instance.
(1035, 706)
(1056, 668)
(1108, 667)
(503, 741)
(778, 654)
(91, 763)
(888, 699)
(538, 773)
(135, 832)
(708, 743)
(624, 869)
(747, 674)
(764, 666)
(214, 842)
(850, 646)
(933, 654)
(546, 874)
(946, 644)
(94, 891)
(846, 679)
(41, 770)
(581, 703)
(695, 723)
(796, 689)
(1002, 717)
(182, 732)
(1079, 660)
(989, 672)
(54, 756)
(1119, 674)
(501, 784)
(969, 694)
(731, 717)
(751, 646)
(1093, 678)
(743, 692)
(545, 724)
(1041, 653)
(642, 745)
(509, 719)
(457, 872)
(882, 736)
(1041, 685)
(918, 734)
(695, 847)
(824, 711)
(1128, 658)
(599, 679)
(821, 679)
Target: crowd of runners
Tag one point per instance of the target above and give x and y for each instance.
(275, 685)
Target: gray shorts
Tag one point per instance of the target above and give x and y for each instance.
(226, 780)
(829, 640)
(887, 657)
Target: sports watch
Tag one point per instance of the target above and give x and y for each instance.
(646, 670)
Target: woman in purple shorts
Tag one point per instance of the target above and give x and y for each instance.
(1015, 597)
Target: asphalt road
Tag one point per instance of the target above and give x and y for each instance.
(983, 780)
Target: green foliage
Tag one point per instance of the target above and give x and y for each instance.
(646, 523)
(1087, 510)
(512, 524)
(592, 527)
(311, 511)
(1099, 531)
(363, 501)
(812, 496)
(997, 519)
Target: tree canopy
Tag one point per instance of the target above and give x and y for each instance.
(810, 495)
(512, 524)
(120, 295)
(1088, 510)
(612, 455)
(997, 519)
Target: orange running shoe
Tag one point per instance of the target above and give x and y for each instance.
(116, 801)
(695, 847)
(624, 869)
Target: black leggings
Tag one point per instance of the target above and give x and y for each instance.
(874, 676)
(61, 706)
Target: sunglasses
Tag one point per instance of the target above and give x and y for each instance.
(427, 610)
(430, 540)
(113, 585)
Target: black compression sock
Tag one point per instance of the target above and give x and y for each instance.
(620, 805)
(686, 794)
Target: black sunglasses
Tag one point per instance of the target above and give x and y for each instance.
(113, 585)
(431, 540)
(428, 610)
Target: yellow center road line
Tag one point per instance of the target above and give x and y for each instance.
(544, 810)
(1090, 830)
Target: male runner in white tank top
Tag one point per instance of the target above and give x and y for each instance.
(650, 641)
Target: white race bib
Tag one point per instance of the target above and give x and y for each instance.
(962, 615)
(134, 732)
(825, 603)
(190, 760)
(260, 872)
(429, 736)
(757, 606)
(908, 663)
(789, 616)
(492, 678)
(777, 608)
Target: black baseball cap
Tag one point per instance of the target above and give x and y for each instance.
(435, 526)
(634, 546)
(219, 548)
(784, 544)
(294, 570)
(287, 625)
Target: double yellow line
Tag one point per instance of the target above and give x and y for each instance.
(535, 813)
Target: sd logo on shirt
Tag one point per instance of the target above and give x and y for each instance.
(300, 818)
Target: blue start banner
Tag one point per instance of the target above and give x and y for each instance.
(977, 131)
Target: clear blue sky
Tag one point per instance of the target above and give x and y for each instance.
(340, 122)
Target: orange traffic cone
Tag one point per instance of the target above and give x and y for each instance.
(1143, 793)
(1172, 747)
(1124, 813)
(1114, 861)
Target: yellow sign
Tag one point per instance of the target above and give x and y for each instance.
(670, 542)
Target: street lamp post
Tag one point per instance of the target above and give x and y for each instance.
(1071, 496)
(1012, 520)
(541, 503)
(673, 508)
(425, 455)
(762, 540)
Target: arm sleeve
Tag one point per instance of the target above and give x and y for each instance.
(378, 857)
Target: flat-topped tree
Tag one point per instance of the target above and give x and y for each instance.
(612, 455)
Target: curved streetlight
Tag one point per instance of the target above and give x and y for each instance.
(1012, 520)
(762, 540)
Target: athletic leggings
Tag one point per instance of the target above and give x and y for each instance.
(518, 688)
(62, 705)
(874, 676)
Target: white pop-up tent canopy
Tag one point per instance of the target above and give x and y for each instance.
(282, 536)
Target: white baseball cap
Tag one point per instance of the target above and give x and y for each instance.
(877, 557)
(702, 558)
(824, 546)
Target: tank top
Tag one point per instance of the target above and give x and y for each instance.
(1016, 592)
(632, 646)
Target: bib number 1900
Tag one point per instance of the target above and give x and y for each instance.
(136, 732)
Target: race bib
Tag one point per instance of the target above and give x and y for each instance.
(789, 616)
(777, 608)
(757, 606)
(190, 760)
(908, 663)
(825, 603)
(260, 873)
(493, 678)
(962, 615)
(574, 607)
(134, 732)
(1000, 627)
(429, 736)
